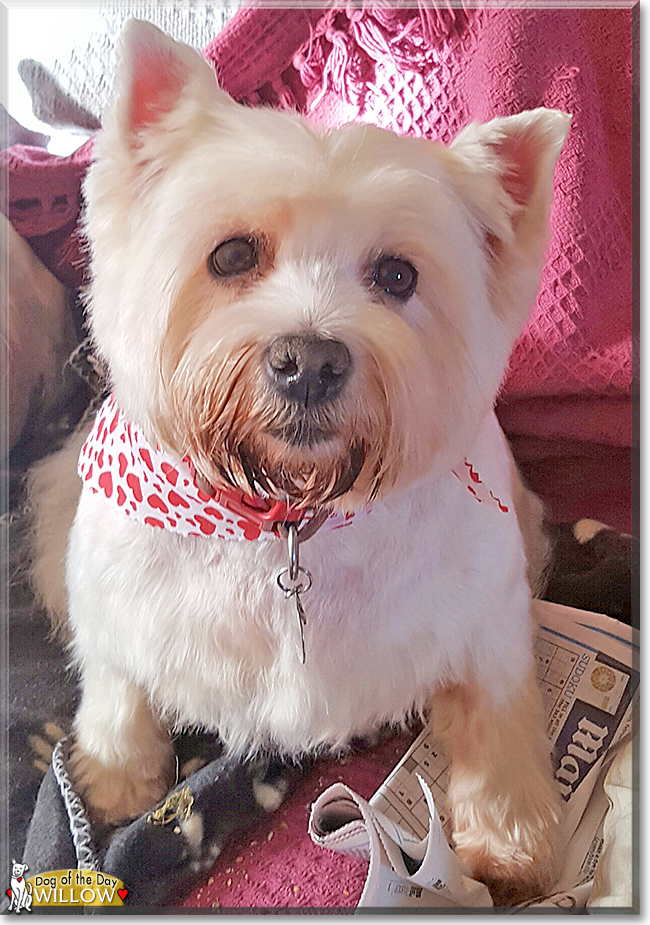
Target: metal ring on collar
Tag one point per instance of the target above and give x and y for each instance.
(295, 585)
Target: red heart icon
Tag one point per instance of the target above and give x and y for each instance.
(19, 879)
(122, 894)
(9, 893)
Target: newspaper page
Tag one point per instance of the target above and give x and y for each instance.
(588, 671)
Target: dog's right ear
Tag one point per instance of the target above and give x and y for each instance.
(161, 86)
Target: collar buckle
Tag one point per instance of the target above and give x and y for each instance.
(266, 515)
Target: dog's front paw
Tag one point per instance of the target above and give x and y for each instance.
(115, 793)
(513, 877)
(502, 799)
(513, 853)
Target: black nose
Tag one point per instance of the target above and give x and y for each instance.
(308, 370)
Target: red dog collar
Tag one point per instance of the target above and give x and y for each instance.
(151, 486)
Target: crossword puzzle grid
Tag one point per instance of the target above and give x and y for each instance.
(402, 799)
(554, 667)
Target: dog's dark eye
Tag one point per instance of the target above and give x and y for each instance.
(395, 276)
(234, 257)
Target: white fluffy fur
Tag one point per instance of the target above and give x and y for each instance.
(427, 592)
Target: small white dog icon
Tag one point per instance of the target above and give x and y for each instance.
(21, 891)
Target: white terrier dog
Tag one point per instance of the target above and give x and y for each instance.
(305, 330)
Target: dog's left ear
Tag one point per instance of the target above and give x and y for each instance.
(503, 170)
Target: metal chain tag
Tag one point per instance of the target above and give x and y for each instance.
(295, 580)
